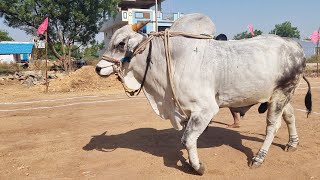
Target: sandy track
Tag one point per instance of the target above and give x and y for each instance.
(124, 139)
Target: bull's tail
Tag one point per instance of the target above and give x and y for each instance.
(308, 98)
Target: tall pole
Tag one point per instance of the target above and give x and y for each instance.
(156, 16)
(317, 49)
(47, 84)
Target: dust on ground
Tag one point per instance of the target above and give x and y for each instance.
(108, 136)
(84, 81)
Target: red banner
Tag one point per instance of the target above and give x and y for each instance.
(43, 27)
(315, 37)
(251, 29)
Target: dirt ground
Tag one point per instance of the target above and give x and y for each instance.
(102, 134)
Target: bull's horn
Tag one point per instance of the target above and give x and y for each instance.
(136, 27)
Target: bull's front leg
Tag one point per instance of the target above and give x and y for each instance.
(196, 125)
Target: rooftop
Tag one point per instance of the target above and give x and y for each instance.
(141, 4)
(12, 47)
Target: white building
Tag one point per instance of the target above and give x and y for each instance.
(11, 51)
(133, 11)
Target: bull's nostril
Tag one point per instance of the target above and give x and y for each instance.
(98, 69)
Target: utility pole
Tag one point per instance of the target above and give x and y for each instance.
(317, 49)
(156, 15)
(47, 83)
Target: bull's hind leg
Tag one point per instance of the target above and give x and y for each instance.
(275, 110)
(290, 120)
(196, 125)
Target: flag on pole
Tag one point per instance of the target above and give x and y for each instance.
(251, 29)
(315, 37)
(43, 27)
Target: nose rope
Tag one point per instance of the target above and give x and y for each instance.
(165, 35)
(110, 59)
(141, 47)
(118, 68)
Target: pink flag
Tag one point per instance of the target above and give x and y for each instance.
(43, 27)
(315, 37)
(251, 29)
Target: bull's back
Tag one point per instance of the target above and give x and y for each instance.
(241, 72)
(254, 69)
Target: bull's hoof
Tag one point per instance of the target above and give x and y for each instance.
(201, 170)
(255, 164)
(289, 148)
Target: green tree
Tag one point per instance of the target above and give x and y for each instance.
(92, 51)
(71, 22)
(286, 30)
(246, 34)
(4, 36)
(58, 48)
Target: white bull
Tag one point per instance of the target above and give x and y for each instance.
(194, 23)
(198, 23)
(209, 75)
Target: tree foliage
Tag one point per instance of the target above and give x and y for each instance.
(70, 21)
(4, 36)
(59, 49)
(246, 34)
(92, 51)
(286, 30)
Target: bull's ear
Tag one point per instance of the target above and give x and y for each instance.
(134, 41)
(136, 27)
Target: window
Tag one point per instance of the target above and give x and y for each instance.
(162, 28)
(125, 16)
(146, 15)
(141, 15)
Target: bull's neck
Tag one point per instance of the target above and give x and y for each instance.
(139, 65)
(157, 66)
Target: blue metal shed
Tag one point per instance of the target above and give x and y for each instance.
(11, 51)
(16, 47)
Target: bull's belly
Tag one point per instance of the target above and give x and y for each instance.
(240, 103)
(237, 99)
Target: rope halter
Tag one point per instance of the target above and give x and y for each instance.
(165, 35)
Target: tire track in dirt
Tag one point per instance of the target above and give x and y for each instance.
(48, 106)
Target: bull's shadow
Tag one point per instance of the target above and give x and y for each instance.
(166, 143)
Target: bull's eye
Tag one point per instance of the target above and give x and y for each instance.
(121, 46)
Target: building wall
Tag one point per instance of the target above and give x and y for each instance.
(8, 58)
(309, 47)
(132, 16)
(12, 51)
(11, 58)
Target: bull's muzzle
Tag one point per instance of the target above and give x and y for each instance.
(98, 69)
(105, 68)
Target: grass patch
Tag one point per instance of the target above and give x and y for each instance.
(8, 68)
(91, 61)
(313, 59)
